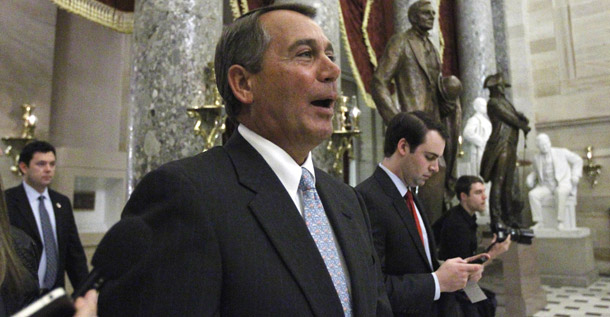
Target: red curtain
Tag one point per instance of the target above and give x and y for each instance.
(378, 31)
(447, 23)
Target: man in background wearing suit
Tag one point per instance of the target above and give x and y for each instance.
(416, 283)
(46, 216)
(252, 228)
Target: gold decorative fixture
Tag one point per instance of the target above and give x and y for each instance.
(14, 145)
(460, 151)
(209, 111)
(592, 170)
(345, 128)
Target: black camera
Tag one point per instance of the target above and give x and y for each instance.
(523, 236)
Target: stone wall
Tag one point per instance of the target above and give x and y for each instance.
(559, 52)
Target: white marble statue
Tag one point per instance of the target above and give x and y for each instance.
(554, 182)
(476, 133)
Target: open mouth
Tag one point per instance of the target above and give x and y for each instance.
(324, 103)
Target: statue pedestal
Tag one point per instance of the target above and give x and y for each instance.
(566, 257)
(523, 294)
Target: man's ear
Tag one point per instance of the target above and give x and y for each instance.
(239, 81)
(403, 146)
(463, 196)
(23, 168)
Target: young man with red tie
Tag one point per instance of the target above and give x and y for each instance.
(417, 284)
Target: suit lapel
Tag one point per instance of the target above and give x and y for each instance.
(418, 49)
(284, 226)
(400, 207)
(23, 204)
(429, 233)
(59, 226)
(339, 211)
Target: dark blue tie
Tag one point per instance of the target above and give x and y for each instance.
(50, 246)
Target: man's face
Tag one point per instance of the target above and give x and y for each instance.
(475, 201)
(544, 144)
(418, 167)
(295, 92)
(39, 173)
(424, 17)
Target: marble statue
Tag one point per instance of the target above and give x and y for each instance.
(500, 156)
(554, 181)
(476, 133)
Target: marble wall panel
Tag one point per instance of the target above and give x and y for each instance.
(26, 62)
(27, 38)
(90, 80)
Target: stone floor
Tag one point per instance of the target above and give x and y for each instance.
(563, 301)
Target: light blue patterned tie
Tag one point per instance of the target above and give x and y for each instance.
(320, 230)
(50, 246)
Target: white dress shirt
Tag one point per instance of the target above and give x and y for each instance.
(402, 189)
(33, 195)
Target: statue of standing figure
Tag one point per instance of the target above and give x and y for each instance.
(500, 156)
(476, 133)
(555, 178)
(413, 63)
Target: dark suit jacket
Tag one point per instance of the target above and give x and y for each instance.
(72, 257)
(407, 272)
(228, 240)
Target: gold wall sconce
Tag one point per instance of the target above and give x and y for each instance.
(14, 145)
(460, 150)
(591, 170)
(345, 128)
(209, 111)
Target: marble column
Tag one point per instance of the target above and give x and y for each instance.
(328, 19)
(476, 50)
(173, 42)
(501, 42)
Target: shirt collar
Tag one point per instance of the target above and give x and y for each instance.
(402, 188)
(282, 164)
(34, 194)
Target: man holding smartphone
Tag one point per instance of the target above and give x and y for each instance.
(417, 284)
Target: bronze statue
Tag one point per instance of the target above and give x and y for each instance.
(413, 63)
(500, 155)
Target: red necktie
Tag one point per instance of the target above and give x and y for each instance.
(411, 205)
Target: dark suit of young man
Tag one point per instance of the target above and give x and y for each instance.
(407, 270)
(415, 282)
(72, 257)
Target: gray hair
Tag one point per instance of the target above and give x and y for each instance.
(244, 43)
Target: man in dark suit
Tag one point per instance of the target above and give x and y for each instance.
(46, 216)
(233, 231)
(416, 283)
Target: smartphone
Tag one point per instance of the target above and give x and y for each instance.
(54, 304)
(480, 260)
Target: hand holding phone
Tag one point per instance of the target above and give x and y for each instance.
(480, 260)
